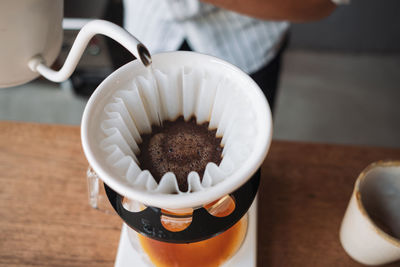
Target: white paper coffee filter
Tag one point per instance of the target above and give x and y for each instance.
(133, 98)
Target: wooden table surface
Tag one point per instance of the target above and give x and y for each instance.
(45, 219)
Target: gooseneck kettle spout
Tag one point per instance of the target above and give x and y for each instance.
(111, 30)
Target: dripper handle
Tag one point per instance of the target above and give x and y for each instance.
(96, 194)
(133, 45)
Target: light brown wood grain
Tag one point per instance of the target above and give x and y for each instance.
(45, 219)
(44, 216)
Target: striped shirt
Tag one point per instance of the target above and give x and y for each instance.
(163, 25)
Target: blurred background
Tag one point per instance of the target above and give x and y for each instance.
(340, 81)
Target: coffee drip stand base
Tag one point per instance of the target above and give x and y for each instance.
(127, 256)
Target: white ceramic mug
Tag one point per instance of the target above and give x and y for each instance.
(370, 231)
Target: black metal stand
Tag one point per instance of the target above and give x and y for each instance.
(203, 225)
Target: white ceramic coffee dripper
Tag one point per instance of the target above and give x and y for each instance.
(94, 116)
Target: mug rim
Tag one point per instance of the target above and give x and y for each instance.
(358, 197)
(185, 200)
